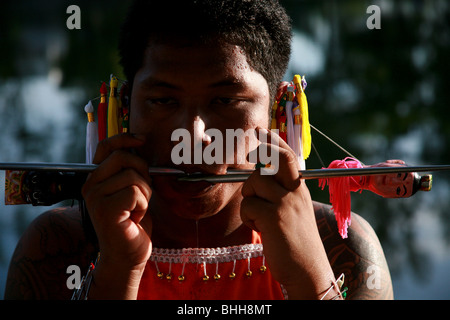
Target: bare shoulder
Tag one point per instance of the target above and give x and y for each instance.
(360, 257)
(38, 268)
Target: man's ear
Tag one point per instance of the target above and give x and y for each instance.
(281, 88)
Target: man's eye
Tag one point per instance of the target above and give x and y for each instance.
(224, 100)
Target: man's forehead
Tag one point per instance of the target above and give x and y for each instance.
(220, 65)
(151, 81)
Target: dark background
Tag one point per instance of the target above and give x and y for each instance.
(382, 94)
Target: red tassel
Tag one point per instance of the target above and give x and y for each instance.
(339, 189)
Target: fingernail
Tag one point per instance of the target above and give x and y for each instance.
(264, 131)
(260, 130)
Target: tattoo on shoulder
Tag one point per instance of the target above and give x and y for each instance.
(38, 268)
(360, 256)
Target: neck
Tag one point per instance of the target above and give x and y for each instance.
(222, 229)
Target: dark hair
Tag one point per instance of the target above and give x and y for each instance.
(261, 27)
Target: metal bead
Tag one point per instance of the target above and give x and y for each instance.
(216, 276)
(263, 269)
(205, 277)
(169, 276)
(181, 278)
(249, 273)
(232, 275)
(160, 275)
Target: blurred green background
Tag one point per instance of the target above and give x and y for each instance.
(382, 94)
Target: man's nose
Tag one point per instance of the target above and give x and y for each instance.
(195, 127)
(199, 131)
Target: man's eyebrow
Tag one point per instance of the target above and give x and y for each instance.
(232, 82)
(152, 82)
(406, 174)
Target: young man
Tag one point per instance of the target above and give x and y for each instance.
(199, 65)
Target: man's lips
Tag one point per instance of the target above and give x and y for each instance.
(192, 189)
(207, 170)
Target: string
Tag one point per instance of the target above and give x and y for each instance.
(335, 143)
(318, 155)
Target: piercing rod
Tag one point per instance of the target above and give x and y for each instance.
(234, 175)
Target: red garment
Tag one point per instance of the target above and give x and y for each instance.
(223, 261)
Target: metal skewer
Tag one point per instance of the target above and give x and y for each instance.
(234, 175)
(74, 167)
(43, 166)
(241, 176)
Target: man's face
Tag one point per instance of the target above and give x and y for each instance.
(195, 88)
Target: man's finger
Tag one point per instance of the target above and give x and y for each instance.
(120, 141)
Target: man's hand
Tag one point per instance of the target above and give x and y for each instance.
(117, 194)
(280, 207)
